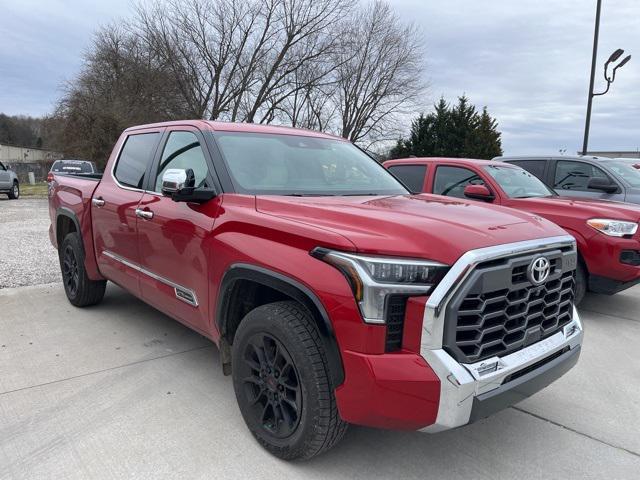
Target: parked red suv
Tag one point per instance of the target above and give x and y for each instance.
(334, 295)
(606, 232)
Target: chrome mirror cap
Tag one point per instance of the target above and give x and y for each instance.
(173, 180)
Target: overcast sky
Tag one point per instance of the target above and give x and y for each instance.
(527, 61)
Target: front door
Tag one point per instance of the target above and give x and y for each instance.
(5, 178)
(113, 210)
(572, 179)
(173, 236)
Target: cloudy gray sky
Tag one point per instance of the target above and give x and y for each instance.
(527, 60)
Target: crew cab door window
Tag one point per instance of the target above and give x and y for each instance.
(411, 175)
(182, 150)
(451, 181)
(575, 176)
(134, 159)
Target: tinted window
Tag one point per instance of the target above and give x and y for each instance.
(134, 158)
(299, 165)
(572, 175)
(2, 167)
(451, 181)
(72, 167)
(532, 166)
(411, 175)
(182, 150)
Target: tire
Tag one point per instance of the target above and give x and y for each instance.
(14, 193)
(581, 283)
(80, 290)
(281, 381)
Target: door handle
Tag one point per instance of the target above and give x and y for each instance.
(98, 202)
(146, 214)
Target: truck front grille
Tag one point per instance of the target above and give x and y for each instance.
(499, 310)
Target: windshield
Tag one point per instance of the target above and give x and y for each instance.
(627, 171)
(518, 183)
(298, 165)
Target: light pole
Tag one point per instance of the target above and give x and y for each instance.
(612, 58)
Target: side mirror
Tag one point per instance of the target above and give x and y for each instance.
(478, 192)
(602, 184)
(176, 179)
(180, 185)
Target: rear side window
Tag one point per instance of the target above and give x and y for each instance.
(134, 158)
(451, 181)
(535, 167)
(411, 175)
(572, 175)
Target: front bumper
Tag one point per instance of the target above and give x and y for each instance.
(469, 391)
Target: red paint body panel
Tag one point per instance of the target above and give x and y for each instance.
(194, 245)
(601, 253)
(394, 390)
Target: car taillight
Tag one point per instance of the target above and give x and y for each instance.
(49, 177)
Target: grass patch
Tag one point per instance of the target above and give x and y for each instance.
(37, 190)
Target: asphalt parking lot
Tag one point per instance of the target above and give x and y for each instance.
(121, 391)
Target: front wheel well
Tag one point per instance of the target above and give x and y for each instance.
(246, 287)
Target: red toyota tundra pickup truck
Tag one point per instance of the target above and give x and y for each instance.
(334, 295)
(606, 232)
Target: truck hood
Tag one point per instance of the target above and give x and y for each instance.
(422, 226)
(558, 208)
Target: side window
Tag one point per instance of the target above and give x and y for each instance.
(576, 175)
(451, 181)
(535, 167)
(134, 158)
(182, 150)
(411, 175)
(2, 167)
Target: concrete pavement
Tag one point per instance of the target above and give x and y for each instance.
(122, 391)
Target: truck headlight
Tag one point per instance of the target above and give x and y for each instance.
(613, 228)
(373, 279)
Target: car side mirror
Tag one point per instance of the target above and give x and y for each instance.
(180, 185)
(602, 184)
(478, 192)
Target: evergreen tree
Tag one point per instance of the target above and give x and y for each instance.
(458, 131)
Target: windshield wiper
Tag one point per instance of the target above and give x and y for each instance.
(309, 195)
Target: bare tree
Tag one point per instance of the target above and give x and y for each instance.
(379, 74)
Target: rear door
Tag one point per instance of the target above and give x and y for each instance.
(115, 205)
(572, 177)
(413, 176)
(173, 237)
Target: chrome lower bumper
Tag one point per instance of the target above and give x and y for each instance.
(462, 384)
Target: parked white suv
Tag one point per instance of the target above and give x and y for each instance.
(9, 183)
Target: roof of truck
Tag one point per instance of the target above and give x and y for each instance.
(239, 127)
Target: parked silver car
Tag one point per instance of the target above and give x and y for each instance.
(585, 176)
(9, 183)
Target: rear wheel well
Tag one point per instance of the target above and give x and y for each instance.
(246, 287)
(64, 226)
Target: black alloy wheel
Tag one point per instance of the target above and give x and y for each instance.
(271, 385)
(70, 273)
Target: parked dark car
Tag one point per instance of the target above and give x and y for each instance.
(585, 177)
